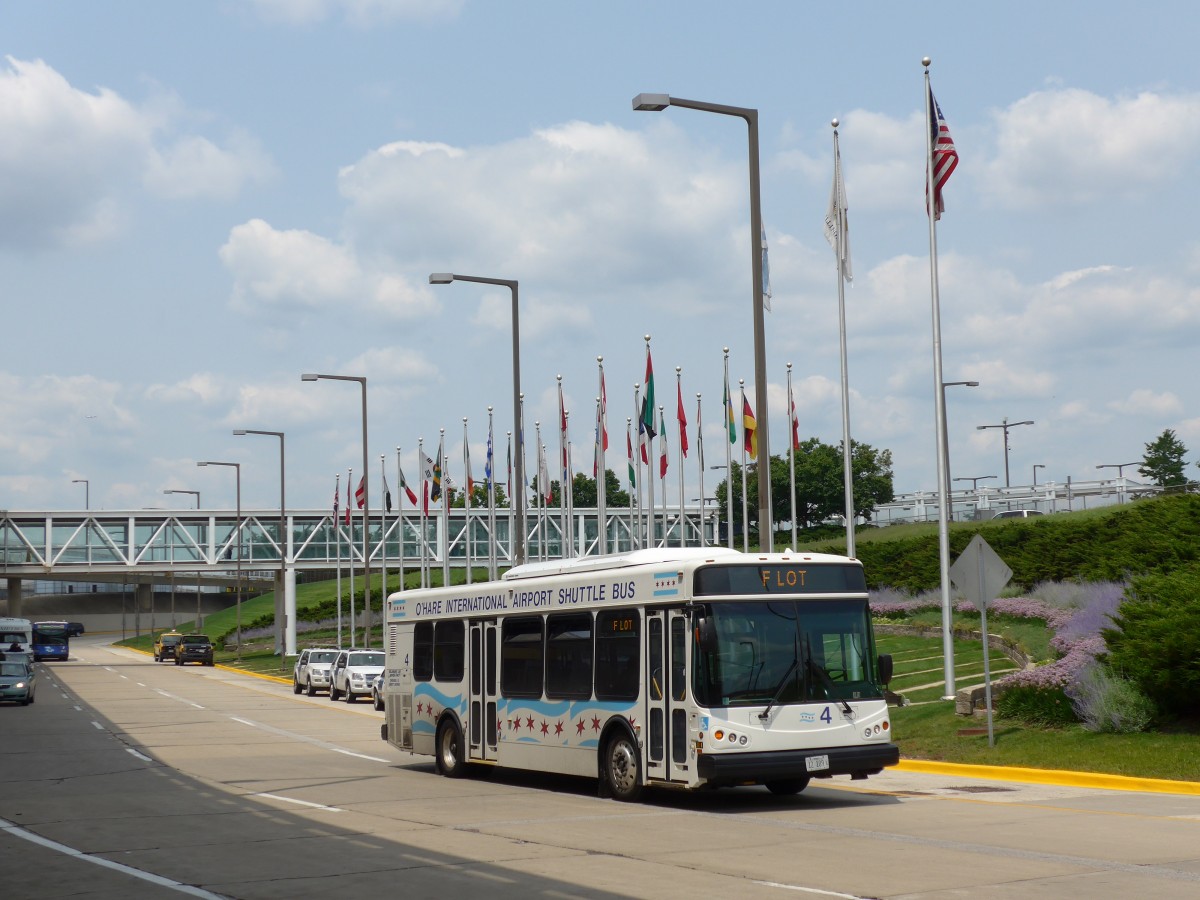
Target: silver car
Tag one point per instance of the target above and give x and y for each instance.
(311, 673)
(353, 672)
(17, 681)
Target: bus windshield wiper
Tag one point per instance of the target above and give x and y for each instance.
(779, 688)
(827, 682)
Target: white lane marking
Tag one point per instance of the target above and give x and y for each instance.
(65, 697)
(78, 709)
(126, 677)
(17, 831)
(141, 756)
(299, 802)
(141, 684)
(316, 742)
(807, 890)
(98, 726)
(170, 696)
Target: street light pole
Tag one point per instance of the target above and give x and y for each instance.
(518, 550)
(946, 442)
(237, 468)
(87, 491)
(657, 103)
(1036, 466)
(975, 480)
(284, 598)
(362, 382)
(1120, 467)
(196, 494)
(1005, 424)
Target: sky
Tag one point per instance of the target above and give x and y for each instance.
(202, 201)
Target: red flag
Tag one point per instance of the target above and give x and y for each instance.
(360, 495)
(682, 416)
(347, 501)
(662, 446)
(563, 439)
(412, 498)
(795, 427)
(603, 411)
(749, 428)
(336, 501)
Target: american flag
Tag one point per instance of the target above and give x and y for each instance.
(945, 157)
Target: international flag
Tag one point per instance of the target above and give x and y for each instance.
(360, 493)
(662, 447)
(699, 440)
(489, 462)
(426, 480)
(603, 411)
(729, 420)
(508, 480)
(646, 432)
(347, 500)
(562, 431)
(749, 428)
(336, 500)
(435, 493)
(766, 272)
(629, 448)
(544, 484)
(387, 495)
(945, 156)
(795, 424)
(412, 498)
(467, 461)
(837, 227)
(682, 417)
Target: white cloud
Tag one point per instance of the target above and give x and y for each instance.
(1074, 147)
(203, 388)
(71, 161)
(1146, 402)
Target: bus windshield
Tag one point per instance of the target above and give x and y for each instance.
(789, 651)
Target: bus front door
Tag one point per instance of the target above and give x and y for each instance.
(482, 726)
(666, 695)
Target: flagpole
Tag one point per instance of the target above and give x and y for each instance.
(337, 532)
(646, 441)
(399, 521)
(522, 475)
(938, 397)
(491, 474)
(729, 427)
(467, 497)
(700, 463)
(637, 462)
(541, 487)
(383, 589)
(840, 251)
(681, 416)
(602, 473)
(562, 454)
(444, 542)
(662, 450)
(349, 515)
(633, 486)
(792, 454)
(425, 510)
(508, 481)
(569, 500)
(745, 496)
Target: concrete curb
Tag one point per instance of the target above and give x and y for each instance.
(234, 669)
(1052, 776)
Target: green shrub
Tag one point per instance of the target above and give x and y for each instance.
(1156, 641)
(1036, 706)
(1105, 702)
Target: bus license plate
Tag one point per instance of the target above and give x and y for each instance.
(816, 763)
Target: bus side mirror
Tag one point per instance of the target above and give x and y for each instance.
(706, 634)
(885, 668)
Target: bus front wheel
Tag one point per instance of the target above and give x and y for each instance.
(450, 760)
(622, 768)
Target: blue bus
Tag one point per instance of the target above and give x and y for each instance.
(51, 640)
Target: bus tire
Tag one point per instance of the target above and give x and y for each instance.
(450, 761)
(786, 787)
(622, 767)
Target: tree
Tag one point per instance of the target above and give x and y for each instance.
(584, 494)
(820, 484)
(479, 496)
(1163, 462)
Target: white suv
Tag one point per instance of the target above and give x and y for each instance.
(353, 672)
(311, 673)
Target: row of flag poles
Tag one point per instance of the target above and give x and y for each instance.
(644, 514)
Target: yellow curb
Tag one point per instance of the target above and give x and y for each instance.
(1052, 776)
(225, 667)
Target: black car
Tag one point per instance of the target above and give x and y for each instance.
(194, 648)
(74, 629)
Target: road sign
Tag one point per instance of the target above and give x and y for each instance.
(980, 573)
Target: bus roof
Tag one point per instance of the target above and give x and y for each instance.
(652, 556)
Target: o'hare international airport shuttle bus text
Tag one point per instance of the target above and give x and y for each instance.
(670, 667)
(16, 631)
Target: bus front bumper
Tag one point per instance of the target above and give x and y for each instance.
(781, 765)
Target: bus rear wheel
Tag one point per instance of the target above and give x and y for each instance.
(450, 760)
(786, 787)
(622, 768)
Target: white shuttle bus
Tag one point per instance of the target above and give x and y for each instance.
(16, 634)
(677, 668)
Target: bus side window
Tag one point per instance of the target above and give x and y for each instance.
(522, 657)
(448, 651)
(423, 651)
(618, 654)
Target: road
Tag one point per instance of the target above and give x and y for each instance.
(128, 778)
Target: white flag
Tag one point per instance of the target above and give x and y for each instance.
(766, 272)
(836, 223)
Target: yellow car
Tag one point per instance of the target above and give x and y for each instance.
(165, 644)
